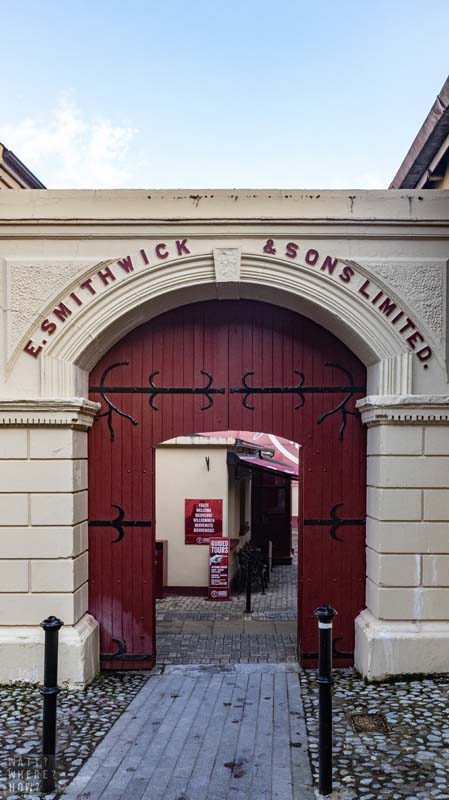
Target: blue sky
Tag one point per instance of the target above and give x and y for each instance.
(323, 94)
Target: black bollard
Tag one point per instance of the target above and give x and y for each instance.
(248, 587)
(325, 615)
(49, 692)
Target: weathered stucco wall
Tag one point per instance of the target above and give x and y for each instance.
(184, 470)
(181, 473)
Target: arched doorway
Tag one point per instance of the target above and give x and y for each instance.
(220, 365)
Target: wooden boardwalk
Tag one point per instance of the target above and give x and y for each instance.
(205, 733)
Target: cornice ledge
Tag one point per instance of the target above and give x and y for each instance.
(405, 409)
(75, 412)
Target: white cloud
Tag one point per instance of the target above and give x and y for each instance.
(67, 150)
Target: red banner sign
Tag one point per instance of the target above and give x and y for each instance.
(203, 519)
(219, 550)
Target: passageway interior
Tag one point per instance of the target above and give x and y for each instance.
(257, 479)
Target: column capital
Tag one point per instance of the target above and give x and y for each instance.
(75, 412)
(404, 409)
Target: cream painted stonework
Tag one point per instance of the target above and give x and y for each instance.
(227, 262)
(24, 306)
(43, 537)
(424, 284)
(81, 269)
(407, 594)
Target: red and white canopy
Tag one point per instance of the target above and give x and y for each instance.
(285, 451)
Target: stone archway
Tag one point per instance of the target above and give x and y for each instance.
(56, 388)
(87, 332)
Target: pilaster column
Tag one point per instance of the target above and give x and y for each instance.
(43, 537)
(405, 627)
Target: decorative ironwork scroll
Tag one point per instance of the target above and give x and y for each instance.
(121, 654)
(206, 390)
(246, 390)
(351, 389)
(335, 522)
(119, 523)
(112, 408)
(300, 390)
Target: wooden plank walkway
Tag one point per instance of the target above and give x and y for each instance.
(205, 733)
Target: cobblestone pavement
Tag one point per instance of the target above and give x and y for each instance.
(410, 761)
(84, 717)
(205, 733)
(279, 602)
(193, 630)
(204, 648)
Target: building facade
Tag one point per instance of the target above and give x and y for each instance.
(82, 270)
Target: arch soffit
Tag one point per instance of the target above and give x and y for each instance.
(110, 315)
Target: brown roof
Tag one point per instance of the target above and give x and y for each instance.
(429, 147)
(14, 174)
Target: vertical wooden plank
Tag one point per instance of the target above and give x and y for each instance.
(256, 379)
(263, 751)
(221, 365)
(267, 401)
(191, 377)
(123, 490)
(245, 359)
(279, 368)
(238, 334)
(200, 362)
(282, 779)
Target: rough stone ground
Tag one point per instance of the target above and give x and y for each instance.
(229, 648)
(84, 717)
(409, 762)
(193, 630)
(279, 602)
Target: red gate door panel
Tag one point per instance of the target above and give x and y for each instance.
(211, 366)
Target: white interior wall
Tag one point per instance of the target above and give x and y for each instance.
(181, 472)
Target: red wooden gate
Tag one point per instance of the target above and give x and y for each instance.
(219, 365)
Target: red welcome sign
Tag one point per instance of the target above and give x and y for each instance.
(203, 519)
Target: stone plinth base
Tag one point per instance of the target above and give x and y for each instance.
(384, 649)
(22, 654)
